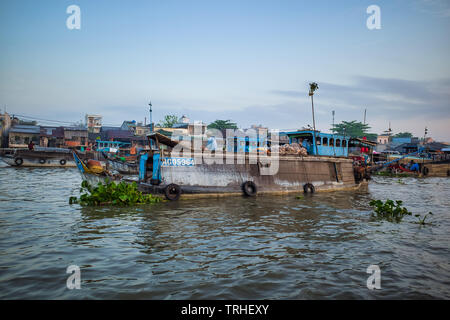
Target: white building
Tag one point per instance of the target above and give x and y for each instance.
(93, 123)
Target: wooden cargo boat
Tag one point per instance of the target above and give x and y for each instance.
(39, 157)
(162, 173)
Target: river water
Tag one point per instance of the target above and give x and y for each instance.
(278, 247)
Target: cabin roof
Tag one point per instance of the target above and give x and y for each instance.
(318, 134)
(162, 139)
(364, 142)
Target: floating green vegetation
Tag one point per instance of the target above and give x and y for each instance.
(300, 197)
(401, 181)
(389, 210)
(121, 194)
(421, 220)
(390, 174)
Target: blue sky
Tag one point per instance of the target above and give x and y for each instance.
(249, 61)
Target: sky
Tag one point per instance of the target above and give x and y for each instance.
(248, 60)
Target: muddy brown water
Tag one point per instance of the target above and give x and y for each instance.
(271, 247)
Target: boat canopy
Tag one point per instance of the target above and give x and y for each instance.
(159, 138)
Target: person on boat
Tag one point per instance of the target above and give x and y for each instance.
(133, 150)
(31, 145)
(212, 143)
(414, 166)
(306, 144)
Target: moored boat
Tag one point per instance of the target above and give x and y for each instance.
(207, 174)
(39, 157)
(123, 167)
(94, 172)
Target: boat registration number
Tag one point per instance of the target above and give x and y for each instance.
(177, 162)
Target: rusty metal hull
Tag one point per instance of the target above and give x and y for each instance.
(324, 173)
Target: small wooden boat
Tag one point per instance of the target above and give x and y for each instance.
(39, 157)
(93, 172)
(123, 167)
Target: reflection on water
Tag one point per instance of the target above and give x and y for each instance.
(220, 248)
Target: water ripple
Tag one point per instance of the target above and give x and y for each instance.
(318, 247)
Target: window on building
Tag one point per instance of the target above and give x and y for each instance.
(325, 141)
(344, 143)
(338, 142)
(331, 142)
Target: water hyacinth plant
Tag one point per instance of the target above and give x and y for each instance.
(389, 210)
(121, 194)
(421, 220)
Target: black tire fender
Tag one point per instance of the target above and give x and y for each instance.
(249, 188)
(62, 162)
(310, 187)
(425, 171)
(172, 192)
(18, 161)
(41, 161)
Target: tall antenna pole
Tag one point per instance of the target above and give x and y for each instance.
(332, 112)
(365, 110)
(151, 122)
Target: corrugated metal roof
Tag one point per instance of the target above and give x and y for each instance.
(75, 128)
(111, 134)
(20, 128)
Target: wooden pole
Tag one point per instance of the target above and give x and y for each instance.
(314, 123)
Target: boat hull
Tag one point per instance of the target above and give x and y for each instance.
(122, 167)
(28, 158)
(324, 173)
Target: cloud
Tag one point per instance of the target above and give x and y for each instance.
(385, 96)
(439, 8)
(410, 104)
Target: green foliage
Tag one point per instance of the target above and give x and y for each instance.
(222, 125)
(354, 129)
(169, 121)
(389, 210)
(421, 220)
(403, 135)
(390, 174)
(313, 87)
(121, 194)
(300, 197)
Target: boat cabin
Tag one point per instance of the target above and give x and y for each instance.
(319, 143)
(246, 144)
(111, 146)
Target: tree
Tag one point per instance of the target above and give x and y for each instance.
(403, 135)
(353, 129)
(169, 121)
(222, 125)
